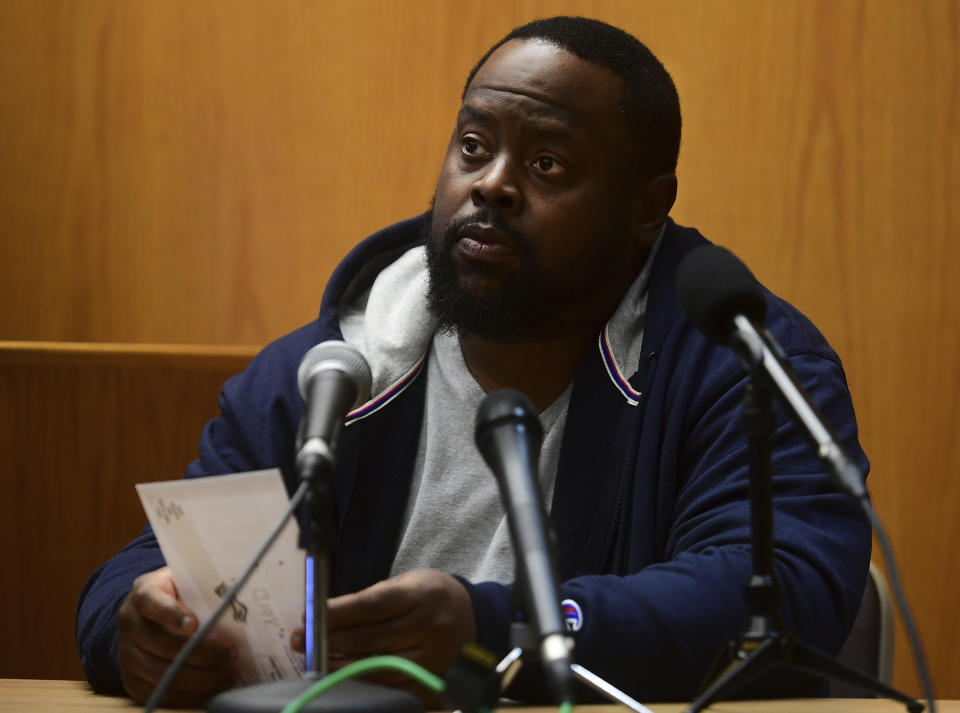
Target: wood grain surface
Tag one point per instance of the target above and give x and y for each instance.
(76, 433)
(18, 695)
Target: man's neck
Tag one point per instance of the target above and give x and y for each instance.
(540, 369)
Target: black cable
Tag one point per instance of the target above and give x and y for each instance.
(901, 599)
(174, 668)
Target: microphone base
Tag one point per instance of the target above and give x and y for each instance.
(347, 697)
(510, 665)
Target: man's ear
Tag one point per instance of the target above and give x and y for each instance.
(653, 200)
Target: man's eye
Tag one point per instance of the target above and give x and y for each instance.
(545, 164)
(470, 146)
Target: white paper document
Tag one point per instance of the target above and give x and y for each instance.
(208, 530)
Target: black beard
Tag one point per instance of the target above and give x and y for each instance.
(508, 315)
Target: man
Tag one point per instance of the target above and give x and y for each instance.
(547, 265)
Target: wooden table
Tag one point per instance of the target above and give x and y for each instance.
(38, 696)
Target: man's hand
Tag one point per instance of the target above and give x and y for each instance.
(423, 615)
(154, 624)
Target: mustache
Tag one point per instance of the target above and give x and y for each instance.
(484, 217)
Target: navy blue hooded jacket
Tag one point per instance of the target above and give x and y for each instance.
(650, 507)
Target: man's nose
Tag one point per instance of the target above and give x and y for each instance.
(496, 186)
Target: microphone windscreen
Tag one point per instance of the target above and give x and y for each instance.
(339, 356)
(714, 286)
(505, 405)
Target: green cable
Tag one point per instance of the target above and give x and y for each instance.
(374, 663)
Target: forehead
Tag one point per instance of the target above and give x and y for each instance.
(537, 78)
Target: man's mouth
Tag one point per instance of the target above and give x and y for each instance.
(484, 242)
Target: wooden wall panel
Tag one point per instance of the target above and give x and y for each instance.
(78, 428)
(189, 171)
(836, 182)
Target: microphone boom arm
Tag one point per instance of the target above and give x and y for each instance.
(755, 349)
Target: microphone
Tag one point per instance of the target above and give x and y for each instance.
(333, 378)
(726, 302)
(508, 435)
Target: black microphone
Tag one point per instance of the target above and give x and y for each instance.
(725, 301)
(333, 378)
(508, 435)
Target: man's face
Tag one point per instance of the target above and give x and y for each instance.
(530, 234)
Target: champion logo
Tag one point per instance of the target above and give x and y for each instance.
(572, 615)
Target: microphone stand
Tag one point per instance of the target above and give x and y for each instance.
(765, 645)
(513, 459)
(318, 539)
(523, 640)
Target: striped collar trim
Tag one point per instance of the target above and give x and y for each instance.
(387, 396)
(613, 371)
(631, 395)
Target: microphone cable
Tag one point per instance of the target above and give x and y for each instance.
(901, 599)
(188, 648)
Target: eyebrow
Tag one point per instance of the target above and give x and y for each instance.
(541, 124)
(475, 112)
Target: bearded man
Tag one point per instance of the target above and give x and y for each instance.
(546, 264)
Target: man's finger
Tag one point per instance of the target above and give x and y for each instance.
(383, 637)
(192, 685)
(298, 640)
(384, 600)
(154, 597)
(154, 639)
(210, 653)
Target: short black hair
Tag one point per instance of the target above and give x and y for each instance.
(650, 103)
